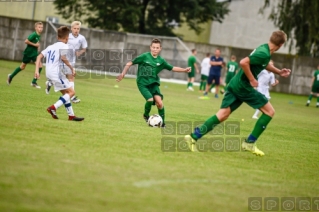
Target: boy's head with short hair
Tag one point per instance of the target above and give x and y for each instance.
(207, 54)
(217, 52)
(63, 34)
(233, 58)
(155, 47)
(38, 26)
(278, 38)
(194, 51)
(75, 28)
(155, 40)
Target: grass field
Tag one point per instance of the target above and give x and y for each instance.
(113, 161)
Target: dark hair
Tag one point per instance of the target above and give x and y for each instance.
(207, 54)
(155, 40)
(193, 50)
(63, 32)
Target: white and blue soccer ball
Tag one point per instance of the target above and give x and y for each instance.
(155, 121)
(213, 90)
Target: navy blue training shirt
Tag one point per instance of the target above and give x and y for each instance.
(215, 70)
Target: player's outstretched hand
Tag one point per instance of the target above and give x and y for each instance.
(285, 72)
(254, 83)
(119, 77)
(37, 75)
(73, 72)
(188, 69)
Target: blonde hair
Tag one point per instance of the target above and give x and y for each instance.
(278, 37)
(76, 23)
(37, 23)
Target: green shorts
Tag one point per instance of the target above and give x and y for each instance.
(191, 74)
(26, 59)
(315, 89)
(204, 77)
(149, 91)
(228, 78)
(251, 96)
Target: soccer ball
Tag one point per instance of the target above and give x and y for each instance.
(213, 90)
(155, 121)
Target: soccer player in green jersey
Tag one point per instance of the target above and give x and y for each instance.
(232, 68)
(242, 89)
(148, 82)
(30, 53)
(315, 87)
(191, 75)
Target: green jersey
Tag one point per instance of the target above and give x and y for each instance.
(191, 62)
(149, 67)
(32, 51)
(259, 59)
(316, 80)
(232, 67)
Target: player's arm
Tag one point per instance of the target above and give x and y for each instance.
(245, 65)
(214, 63)
(126, 68)
(31, 44)
(196, 68)
(283, 72)
(67, 63)
(37, 65)
(80, 52)
(179, 69)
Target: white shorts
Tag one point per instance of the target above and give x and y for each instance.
(59, 83)
(264, 91)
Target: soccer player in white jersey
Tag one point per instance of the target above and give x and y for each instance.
(56, 57)
(78, 44)
(205, 65)
(264, 79)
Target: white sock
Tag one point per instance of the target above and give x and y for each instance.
(308, 101)
(69, 108)
(62, 100)
(256, 113)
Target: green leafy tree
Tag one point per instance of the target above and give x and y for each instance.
(143, 16)
(300, 20)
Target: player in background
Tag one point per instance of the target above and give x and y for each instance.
(148, 81)
(205, 66)
(242, 89)
(217, 63)
(78, 44)
(56, 57)
(264, 79)
(231, 68)
(30, 53)
(314, 87)
(191, 75)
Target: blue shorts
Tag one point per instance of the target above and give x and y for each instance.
(215, 78)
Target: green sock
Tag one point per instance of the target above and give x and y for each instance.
(187, 84)
(205, 128)
(317, 99)
(35, 79)
(161, 112)
(260, 126)
(147, 108)
(191, 84)
(201, 85)
(310, 97)
(16, 71)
